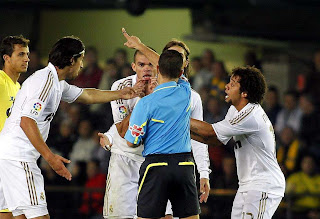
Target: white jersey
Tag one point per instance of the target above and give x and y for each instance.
(257, 165)
(122, 108)
(38, 99)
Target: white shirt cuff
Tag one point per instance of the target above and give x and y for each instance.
(109, 137)
(204, 174)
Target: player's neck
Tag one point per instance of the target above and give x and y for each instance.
(162, 79)
(62, 73)
(12, 74)
(242, 103)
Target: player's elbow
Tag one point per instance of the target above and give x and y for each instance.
(25, 122)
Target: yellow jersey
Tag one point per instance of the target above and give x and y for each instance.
(8, 91)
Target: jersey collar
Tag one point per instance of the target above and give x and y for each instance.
(8, 77)
(166, 85)
(249, 105)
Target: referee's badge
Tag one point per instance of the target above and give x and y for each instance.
(136, 131)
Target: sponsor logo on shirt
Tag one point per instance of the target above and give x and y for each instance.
(122, 109)
(37, 107)
(136, 131)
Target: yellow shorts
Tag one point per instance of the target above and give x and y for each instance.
(5, 211)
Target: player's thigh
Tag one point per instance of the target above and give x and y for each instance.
(121, 187)
(23, 187)
(7, 215)
(260, 205)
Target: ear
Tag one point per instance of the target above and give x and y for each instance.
(133, 66)
(244, 94)
(158, 69)
(5, 57)
(72, 61)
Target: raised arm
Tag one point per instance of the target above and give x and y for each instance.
(134, 42)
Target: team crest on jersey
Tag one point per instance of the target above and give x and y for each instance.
(136, 131)
(42, 196)
(122, 109)
(37, 107)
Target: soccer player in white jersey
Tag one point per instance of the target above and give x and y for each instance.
(27, 127)
(126, 175)
(261, 182)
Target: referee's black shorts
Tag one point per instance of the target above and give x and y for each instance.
(167, 176)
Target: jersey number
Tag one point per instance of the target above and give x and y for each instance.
(237, 145)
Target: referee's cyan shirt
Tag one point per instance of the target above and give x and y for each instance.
(162, 120)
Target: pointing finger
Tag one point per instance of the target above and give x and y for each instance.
(125, 34)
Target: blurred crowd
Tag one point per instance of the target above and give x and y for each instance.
(294, 114)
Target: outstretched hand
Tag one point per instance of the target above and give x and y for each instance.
(104, 141)
(131, 92)
(56, 162)
(133, 42)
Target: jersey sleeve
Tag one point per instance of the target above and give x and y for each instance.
(37, 97)
(199, 150)
(110, 133)
(138, 123)
(70, 92)
(120, 108)
(228, 128)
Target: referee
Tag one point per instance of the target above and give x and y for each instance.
(162, 121)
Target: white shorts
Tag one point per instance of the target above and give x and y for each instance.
(23, 188)
(254, 204)
(3, 203)
(120, 200)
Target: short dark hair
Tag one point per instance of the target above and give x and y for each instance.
(66, 48)
(7, 45)
(170, 64)
(252, 82)
(139, 52)
(175, 42)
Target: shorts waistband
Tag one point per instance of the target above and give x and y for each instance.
(176, 155)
